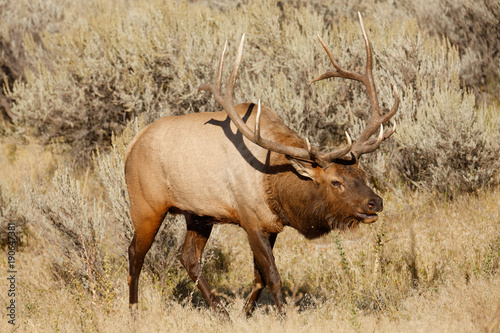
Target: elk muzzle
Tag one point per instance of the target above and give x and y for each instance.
(372, 206)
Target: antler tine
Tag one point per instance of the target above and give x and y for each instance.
(315, 155)
(234, 72)
(380, 135)
(340, 152)
(257, 124)
(393, 129)
(339, 72)
(369, 63)
(370, 145)
(309, 148)
(372, 126)
(221, 65)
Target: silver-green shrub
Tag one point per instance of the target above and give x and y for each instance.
(473, 26)
(19, 20)
(9, 215)
(74, 231)
(112, 61)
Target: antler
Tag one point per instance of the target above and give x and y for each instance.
(226, 100)
(363, 145)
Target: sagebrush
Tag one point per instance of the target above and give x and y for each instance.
(99, 70)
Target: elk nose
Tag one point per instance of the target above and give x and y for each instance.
(376, 204)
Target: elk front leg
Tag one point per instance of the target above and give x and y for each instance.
(198, 232)
(267, 273)
(258, 284)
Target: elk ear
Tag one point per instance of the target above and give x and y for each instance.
(304, 168)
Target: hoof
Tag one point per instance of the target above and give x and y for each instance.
(133, 309)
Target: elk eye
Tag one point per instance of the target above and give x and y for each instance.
(336, 183)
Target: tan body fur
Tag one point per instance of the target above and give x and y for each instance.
(218, 174)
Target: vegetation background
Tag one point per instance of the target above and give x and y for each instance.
(80, 78)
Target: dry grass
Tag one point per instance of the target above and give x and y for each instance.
(427, 265)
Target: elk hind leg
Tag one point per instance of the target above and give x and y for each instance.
(146, 225)
(198, 232)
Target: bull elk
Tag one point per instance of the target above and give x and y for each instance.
(244, 166)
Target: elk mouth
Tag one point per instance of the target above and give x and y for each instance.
(367, 218)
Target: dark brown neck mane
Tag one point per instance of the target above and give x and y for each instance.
(286, 190)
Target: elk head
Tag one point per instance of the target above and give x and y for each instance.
(334, 177)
